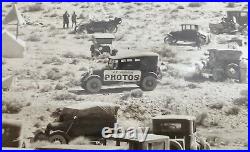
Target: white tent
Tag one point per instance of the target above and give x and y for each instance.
(12, 47)
(14, 16)
(7, 82)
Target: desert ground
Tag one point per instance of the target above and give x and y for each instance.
(48, 76)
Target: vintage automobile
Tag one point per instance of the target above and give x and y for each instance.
(102, 43)
(12, 134)
(236, 21)
(79, 147)
(188, 33)
(110, 26)
(152, 142)
(86, 119)
(139, 68)
(222, 64)
(181, 130)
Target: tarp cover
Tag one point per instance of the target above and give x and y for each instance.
(12, 47)
(14, 16)
(99, 109)
(7, 81)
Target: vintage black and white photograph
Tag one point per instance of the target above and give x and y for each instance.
(125, 76)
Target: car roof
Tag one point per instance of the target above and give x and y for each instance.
(88, 104)
(179, 117)
(190, 24)
(134, 55)
(103, 36)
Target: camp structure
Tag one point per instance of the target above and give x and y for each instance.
(12, 47)
(7, 82)
(14, 17)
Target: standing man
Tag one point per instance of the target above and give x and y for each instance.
(66, 19)
(73, 18)
(198, 41)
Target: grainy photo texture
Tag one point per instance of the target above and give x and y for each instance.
(134, 76)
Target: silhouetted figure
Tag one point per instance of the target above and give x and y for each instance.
(73, 19)
(66, 19)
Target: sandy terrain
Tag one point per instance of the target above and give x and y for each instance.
(143, 29)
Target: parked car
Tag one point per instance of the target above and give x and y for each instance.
(236, 21)
(188, 33)
(138, 68)
(222, 64)
(86, 119)
(152, 142)
(102, 43)
(181, 130)
(110, 26)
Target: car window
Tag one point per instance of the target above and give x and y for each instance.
(169, 126)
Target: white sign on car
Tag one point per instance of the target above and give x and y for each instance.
(122, 75)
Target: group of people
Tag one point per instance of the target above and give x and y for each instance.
(66, 19)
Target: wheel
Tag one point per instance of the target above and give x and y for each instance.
(174, 145)
(93, 85)
(233, 71)
(40, 137)
(148, 83)
(57, 138)
(169, 40)
(218, 74)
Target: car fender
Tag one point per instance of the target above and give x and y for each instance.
(152, 74)
(92, 76)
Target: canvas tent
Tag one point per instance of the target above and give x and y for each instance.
(7, 82)
(12, 47)
(14, 16)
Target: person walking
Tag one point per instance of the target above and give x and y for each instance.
(73, 19)
(66, 19)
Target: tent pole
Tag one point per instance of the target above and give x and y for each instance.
(17, 29)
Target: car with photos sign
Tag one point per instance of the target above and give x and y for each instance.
(138, 68)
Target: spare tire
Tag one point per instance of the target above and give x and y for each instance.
(233, 71)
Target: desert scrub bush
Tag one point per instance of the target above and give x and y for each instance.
(34, 8)
(194, 4)
(166, 53)
(54, 74)
(180, 7)
(234, 110)
(80, 141)
(136, 93)
(200, 119)
(45, 88)
(125, 96)
(83, 69)
(216, 105)
(59, 86)
(65, 96)
(73, 83)
(34, 38)
(53, 60)
(69, 55)
(13, 105)
(231, 5)
(241, 101)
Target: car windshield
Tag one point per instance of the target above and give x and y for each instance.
(113, 64)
